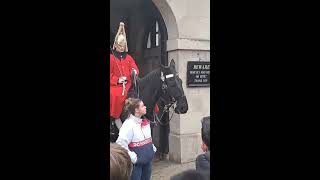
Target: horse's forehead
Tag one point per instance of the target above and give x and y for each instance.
(170, 70)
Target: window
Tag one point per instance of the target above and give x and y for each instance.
(154, 36)
(149, 40)
(157, 34)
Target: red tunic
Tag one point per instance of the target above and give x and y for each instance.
(116, 97)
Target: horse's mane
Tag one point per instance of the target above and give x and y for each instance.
(150, 77)
(149, 85)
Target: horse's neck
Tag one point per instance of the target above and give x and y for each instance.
(150, 88)
(151, 80)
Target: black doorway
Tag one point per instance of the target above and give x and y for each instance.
(147, 37)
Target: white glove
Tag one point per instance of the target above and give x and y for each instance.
(122, 80)
(135, 71)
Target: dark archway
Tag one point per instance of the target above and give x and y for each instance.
(143, 23)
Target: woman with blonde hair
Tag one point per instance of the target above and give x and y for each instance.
(135, 136)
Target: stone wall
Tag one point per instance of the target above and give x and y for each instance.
(188, 25)
(185, 129)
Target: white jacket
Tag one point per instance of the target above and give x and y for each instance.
(135, 137)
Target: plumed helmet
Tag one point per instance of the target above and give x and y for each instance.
(120, 41)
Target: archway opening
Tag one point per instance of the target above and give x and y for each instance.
(147, 37)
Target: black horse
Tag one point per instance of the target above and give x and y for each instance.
(162, 83)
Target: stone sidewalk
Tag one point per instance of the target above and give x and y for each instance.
(163, 170)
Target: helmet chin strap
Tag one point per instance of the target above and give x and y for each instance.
(119, 48)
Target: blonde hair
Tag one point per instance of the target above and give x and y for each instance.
(120, 163)
(130, 106)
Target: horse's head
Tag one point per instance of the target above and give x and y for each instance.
(172, 88)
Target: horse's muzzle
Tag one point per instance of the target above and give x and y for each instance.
(182, 105)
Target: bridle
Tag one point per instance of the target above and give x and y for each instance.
(171, 103)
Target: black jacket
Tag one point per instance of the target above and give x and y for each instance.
(203, 164)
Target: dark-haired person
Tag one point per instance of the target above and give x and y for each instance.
(203, 160)
(189, 175)
(135, 136)
(120, 163)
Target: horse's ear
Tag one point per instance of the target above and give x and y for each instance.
(172, 63)
(163, 67)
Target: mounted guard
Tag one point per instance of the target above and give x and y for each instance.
(122, 65)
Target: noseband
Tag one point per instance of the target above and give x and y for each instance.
(164, 86)
(172, 103)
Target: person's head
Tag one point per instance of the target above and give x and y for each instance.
(189, 175)
(120, 41)
(120, 163)
(135, 107)
(205, 133)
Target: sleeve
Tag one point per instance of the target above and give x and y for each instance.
(201, 163)
(124, 139)
(133, 65)
(113, 78)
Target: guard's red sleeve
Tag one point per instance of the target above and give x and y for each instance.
(133, 65)
(113, 78)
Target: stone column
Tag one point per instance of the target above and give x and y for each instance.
(185, 129)
(188, 26)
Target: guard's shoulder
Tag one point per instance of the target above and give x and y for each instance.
(129, 56)
(111, 57)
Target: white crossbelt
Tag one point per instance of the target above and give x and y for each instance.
(124, 88)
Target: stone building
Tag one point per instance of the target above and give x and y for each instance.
(161, 30)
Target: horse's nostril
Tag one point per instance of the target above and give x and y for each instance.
(184, 109)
